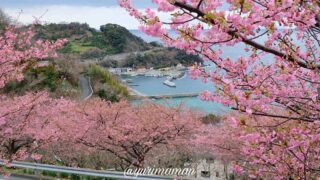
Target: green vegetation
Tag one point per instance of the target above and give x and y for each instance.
(111, 38)
(49, 173)
(211, 119)
(57, 79)
(76, 47)
(50, 77)
(161, 58)
(4, 20)
(155, 44)
(36, 79)
(109, 63)
(106, 85)
(121, 39)
(71, 31)
(98, 40)
(90, 43)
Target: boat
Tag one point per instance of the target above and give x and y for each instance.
(132, 74)
(169, 83)
(170, 78)
(128, 80)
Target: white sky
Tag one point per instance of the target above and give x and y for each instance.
(95, 16)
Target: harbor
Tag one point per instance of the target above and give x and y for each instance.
(173, 72)
(138, 95)
(186, 92)
(167, 86)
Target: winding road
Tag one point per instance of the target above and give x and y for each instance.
(85, 87)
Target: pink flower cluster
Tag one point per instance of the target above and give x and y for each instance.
(26, 121)
(280, 70)
(18, 51)
(29, 122)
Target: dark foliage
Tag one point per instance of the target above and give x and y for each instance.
(162, 58)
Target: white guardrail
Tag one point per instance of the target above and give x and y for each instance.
(89, 81)
(88, 172)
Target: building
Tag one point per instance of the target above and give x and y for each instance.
(212, 170)
(119, 70)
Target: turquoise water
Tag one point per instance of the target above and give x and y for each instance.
(154, 86)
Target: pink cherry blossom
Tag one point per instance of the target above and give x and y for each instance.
(17, 52)
(274, 87)
(130, 133)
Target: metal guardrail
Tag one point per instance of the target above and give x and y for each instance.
(88, 172)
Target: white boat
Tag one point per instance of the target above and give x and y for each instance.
(169, 83)
(133, 74)
(170, 78)
(127, 80)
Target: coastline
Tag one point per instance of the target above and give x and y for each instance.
(135, 93)
(187, 91)
(174, 72)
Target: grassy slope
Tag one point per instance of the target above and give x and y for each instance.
(60, 78)
(106, 85)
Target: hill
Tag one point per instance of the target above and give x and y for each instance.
(113, 39)
(160, 58)
(110, 39)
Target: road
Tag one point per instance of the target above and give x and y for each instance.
(123, 56)
(120, 58)
(15, 178)
(85, 87)
(22, 177)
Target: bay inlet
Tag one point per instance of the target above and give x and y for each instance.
(185, 92)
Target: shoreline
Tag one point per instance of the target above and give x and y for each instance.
(175, 72)
(135, 94)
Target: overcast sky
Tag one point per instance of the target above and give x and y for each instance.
(93, 12)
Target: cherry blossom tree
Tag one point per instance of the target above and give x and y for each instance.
(270, 148)
(274, 84)
(129, 132)
(28, 123)
(277, 148)
(290, 150)
(18, 49)
(24, 119)
(221, 140)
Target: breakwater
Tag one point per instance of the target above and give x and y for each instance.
(179, 95)
(164, 96)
